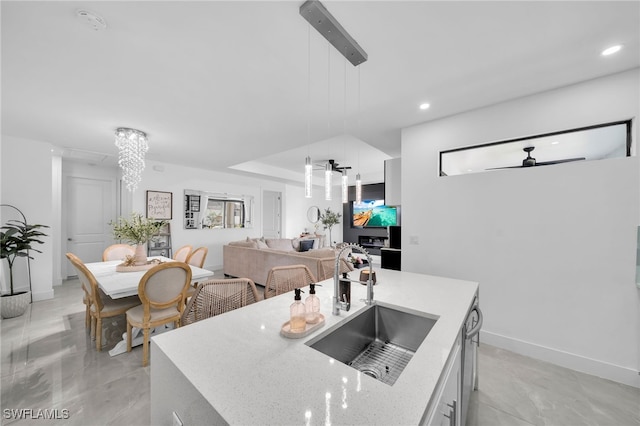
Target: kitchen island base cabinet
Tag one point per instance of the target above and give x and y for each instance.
(446, 406)
(173, 395)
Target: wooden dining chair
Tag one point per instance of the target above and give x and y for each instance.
(197, 257)
(101, 306)
(282, 279)
(162, 291)
(215, 297)
(118, 252)
(182, 254)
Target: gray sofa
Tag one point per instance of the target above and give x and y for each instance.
(254, 258)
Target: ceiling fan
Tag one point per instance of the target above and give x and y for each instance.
(334, 166)
(531, 162)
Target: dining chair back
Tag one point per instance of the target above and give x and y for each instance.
(100, 305)
(86, 298)
(118, 252)
(162, 291)
(197, 257)
(182, 254)
(215, 297)
(282, 279)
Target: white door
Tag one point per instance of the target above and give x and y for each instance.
(271, 214)
(90, 207)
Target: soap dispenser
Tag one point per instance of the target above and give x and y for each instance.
(298, 321)
(345, 291)
(312, 305)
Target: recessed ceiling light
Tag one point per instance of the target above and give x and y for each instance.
(611, 50)
(555, 143)
(424, 106)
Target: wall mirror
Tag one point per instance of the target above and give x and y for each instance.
(598, 142)
(313, 214)
(210, 210)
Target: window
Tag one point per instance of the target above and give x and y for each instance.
(609, 140)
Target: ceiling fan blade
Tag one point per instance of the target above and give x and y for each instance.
(567, 160)
(541, 163)
(508, 167)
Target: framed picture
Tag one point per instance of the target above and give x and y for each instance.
(159, 205)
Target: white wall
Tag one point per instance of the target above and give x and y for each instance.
(553, 248)
(27, 184)
(297, 206)
(176, 179)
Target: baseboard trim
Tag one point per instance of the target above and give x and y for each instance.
(576, 362)
(42, 295)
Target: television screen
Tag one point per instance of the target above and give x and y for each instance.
(373, 214)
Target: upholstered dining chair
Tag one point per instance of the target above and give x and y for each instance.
(162, 291)
(117, 252)
(215, 297)
(101, 306)
(182, 254)
(282, 279)
(197, 257)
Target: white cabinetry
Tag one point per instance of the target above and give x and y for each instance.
(446, 407)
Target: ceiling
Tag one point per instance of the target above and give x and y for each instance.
(249, 86)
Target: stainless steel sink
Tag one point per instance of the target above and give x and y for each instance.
(379, 341)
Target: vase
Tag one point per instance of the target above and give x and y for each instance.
(141, 254)
(15, 305)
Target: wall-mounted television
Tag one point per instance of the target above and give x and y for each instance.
(373, 214)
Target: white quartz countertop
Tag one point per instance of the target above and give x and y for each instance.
(252, 375)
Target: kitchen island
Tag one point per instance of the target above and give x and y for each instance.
(237, 369)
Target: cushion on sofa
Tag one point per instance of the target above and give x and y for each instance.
(296, 242)
(306, 245)
(261, 244)
(244, 243)
(283, 244)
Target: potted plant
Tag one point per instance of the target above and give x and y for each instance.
(137, 230)
(328, 219)
(17, 238)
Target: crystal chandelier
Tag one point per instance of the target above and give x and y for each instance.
(132, 146)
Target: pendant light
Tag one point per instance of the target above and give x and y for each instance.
(345, 178)
(358, 180)
(345, 187)
(328, 172)
(308, 168)
(327, 182)
(308, 177)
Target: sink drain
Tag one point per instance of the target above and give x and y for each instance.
(384, 361)
(370, 371)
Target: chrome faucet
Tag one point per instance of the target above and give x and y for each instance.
(339, 304)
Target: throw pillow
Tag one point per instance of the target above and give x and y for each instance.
(262, 244)
(306, 245)
(283, 244)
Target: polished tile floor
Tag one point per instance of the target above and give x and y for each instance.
(49, 362)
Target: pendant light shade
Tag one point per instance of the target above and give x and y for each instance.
(358, 189)
(308, 177)
(345, 187)
(327, 182)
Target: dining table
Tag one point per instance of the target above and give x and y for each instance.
(122, 284)
(116, 284)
